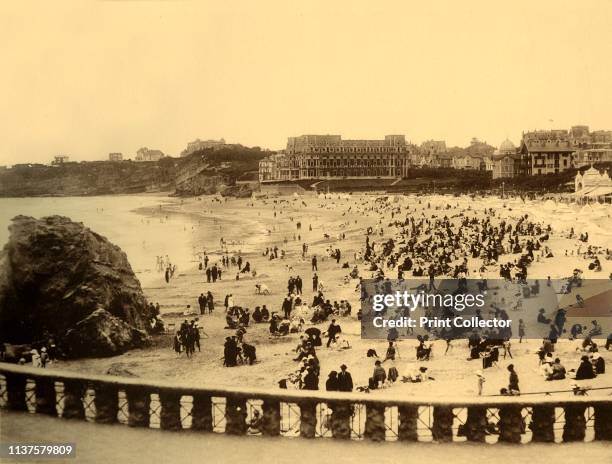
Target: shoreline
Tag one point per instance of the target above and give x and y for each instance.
(329, 215)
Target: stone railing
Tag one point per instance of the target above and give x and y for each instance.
(309, 414)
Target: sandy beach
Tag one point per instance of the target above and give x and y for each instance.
(249, 226)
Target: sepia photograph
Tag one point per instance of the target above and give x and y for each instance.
(306, 232)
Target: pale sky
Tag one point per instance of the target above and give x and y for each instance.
(86, 79)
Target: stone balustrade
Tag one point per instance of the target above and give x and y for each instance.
(308, 414)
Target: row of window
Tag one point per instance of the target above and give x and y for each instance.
(349, 150)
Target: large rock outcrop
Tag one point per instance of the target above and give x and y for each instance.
(60, 279)
(102, 334)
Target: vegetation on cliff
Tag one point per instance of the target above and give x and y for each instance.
(214, 168)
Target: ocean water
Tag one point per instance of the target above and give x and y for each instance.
(142, 234)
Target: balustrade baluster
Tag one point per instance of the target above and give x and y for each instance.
(201, 413)
(308, 419)
(139, 404)
(45, 396)
(408, 418)
(170, 415)
(442, 429)
(271, 418)
(106, 400)
(73, 399)
(235, 416)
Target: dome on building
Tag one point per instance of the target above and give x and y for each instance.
(507, 147)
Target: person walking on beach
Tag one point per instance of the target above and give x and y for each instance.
(315, 282)
(333, 330)
(208, 274)
(202, 303)
(176, 343)
(314, 264)
(298, 285)
(210, 302)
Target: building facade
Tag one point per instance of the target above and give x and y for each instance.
(329, 156)
(198, 144)
(505, 160)
(146, 154)
(60, 159)
(115, 156)
(545, 152)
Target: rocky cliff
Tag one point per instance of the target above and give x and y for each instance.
(203, 172)
(59, 279)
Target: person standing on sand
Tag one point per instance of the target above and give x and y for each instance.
(481, 381)
(287, 308)
(513, 381)
(314, 263)
(315, 282)
(176, 343)
(521, 330)
(208, 274)
(210, 302)
(345, 380)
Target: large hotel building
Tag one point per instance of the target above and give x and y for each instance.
(328, 156)
(540, 152)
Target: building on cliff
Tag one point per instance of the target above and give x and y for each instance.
(146, 154)
(115, 156)
(60, 159)
(198, 144)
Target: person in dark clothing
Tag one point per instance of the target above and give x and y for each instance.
(176, 343)
(314, 335)
(311, 380)
(513, 382)
(315, 282)
(345, 380)
(390, 352)
(202, 303)
(196, 336)
(585, 370)
(210, 302)
(287, 308)
(298, 285)
(332, 382)
(379, 376)
(230, 352)
(314, 263)
(542, 319)
(599, 364)
(333, 330)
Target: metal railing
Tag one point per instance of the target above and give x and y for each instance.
(309, 414)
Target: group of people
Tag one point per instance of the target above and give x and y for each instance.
(187, 338)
